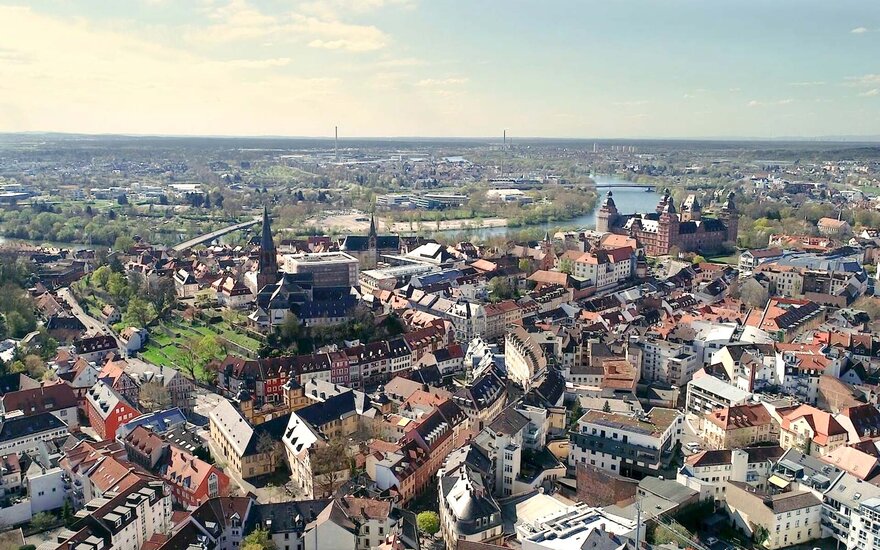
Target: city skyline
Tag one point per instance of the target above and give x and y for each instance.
(393, 68)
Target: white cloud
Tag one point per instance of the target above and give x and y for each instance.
(401, 62)
(69, 83)
(434, 82)
(238, 21)
(866, 80)
(859, 30)
(807, 83)
(260, 63)
(873, 92)
(756, 103)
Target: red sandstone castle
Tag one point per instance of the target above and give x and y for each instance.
(659, 232)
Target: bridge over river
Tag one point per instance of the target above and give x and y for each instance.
(208, 237)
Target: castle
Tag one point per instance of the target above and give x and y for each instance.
(658, 232)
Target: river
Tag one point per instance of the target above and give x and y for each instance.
(628, 200)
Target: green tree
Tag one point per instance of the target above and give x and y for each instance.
(139, 312)
(100, 276)
(123, 243)
(525, 265)
(43, 521)
(289, 331)
(500, 289)
(258, 539)
(674, 533)
(428, 522)
(4, 330)
(117, 286)
(566, 266)
(67, 514)
(606, 407)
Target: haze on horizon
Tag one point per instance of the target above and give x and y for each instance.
(568, 69)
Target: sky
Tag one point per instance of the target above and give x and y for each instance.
(467, 68)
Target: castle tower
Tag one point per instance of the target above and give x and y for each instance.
(691, 209)
(267, 273)
(730, 215)
(667, 232)
(664, 201)
(606, 218)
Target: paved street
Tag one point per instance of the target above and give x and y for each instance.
(96, 326)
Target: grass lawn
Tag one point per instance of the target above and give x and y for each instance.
(731, 259)
(165, 347)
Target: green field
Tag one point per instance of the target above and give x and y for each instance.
(167, 340)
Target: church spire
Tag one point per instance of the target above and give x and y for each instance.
(372, 232)
(266, 241)
(268, 260)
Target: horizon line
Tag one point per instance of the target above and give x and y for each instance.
(871, 138)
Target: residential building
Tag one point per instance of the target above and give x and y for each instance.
(786, 519)
(632, 446)
(248, 450)
(707, 393)
(739, 426)
(813, 431)
(58, 399)
(107, 410)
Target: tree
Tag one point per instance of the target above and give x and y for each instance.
(154, 397)
(289, 330)
(100, 276)
(4, 330)
(258, 539)
(606, 407)
(500, 289)
(674, 533)
(266, 445)
(117, 286)
(43, 521)
(122, 199)
(330, 463)
(524, 265)
(754, 294)
(428, 522)
(35, 366)
(139, 312)
(697, 259)
(123, 243)
(67, 514)
(566, 266)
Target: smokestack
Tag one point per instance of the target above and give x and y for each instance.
(336, 142)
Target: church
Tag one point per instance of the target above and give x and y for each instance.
(267, 267)
(661, 231)
(369, 249)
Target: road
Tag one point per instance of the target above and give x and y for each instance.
(208, 237)
(96, 326)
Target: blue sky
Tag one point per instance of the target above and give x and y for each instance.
(616, 69)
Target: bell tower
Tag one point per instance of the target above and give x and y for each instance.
(267, 273)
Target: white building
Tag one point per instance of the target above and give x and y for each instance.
(605, 268)
(864, 532)
(629, 445)
(707, 393)
(545, 523)
(524, 357)
(670, 362)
